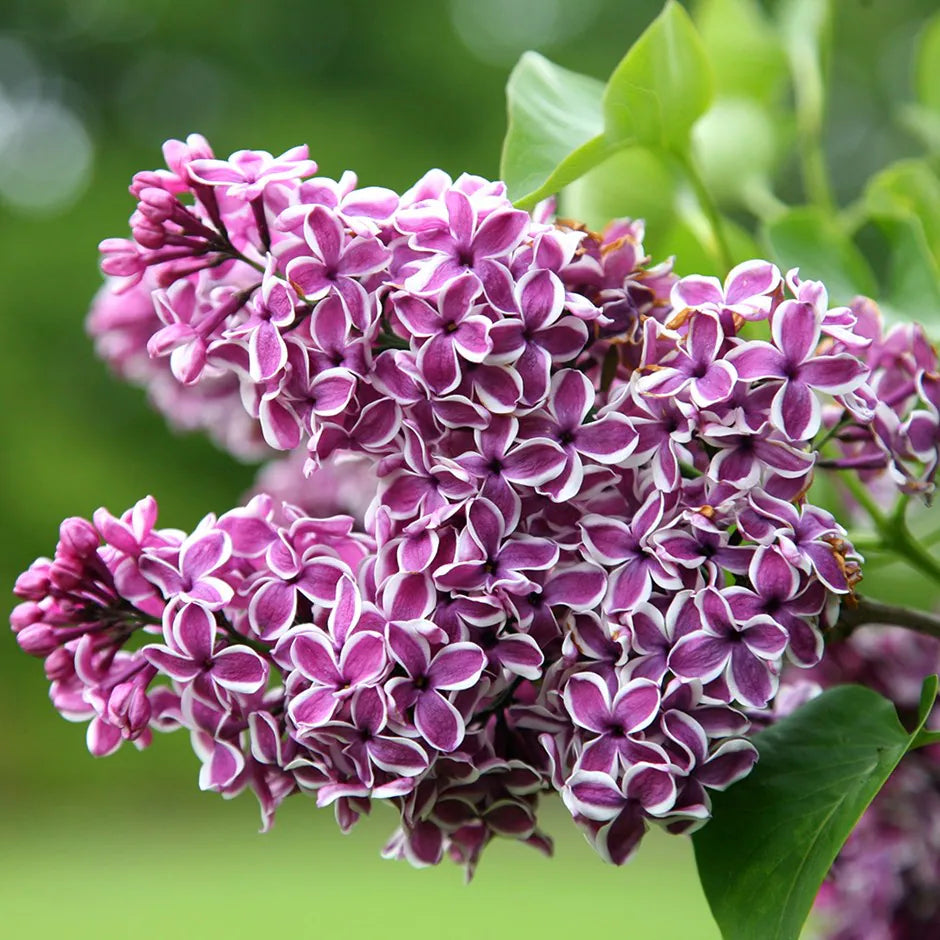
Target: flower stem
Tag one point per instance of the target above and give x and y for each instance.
(867, 611)
(895, 536)
(723, 249)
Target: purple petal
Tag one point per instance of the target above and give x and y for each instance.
(750, 279)
(749, 678)
(572, 397)
(472, 339)
(795, 411)
(332, 391)
(312, 654)
(764, 637)
(636, 705)
(500, 232)
(273, 608)
(757, 360)
(398, 756)
(223, 766)
(541, 298)
(369, 711)
(610, 541)
(652, 787)
(239, 669)
(836, 375)
(772, 575)
(320, 579)
(267, 352)
(313, 708)
(528, 553)
(520, 654)
(180, 668)
(211, 593)
(629, 586)
(587, 699)
(498, 388)
(609, 441)
(438, 721)
(408, 596)
(161, 573)
(826, 565)
(795, 329)
(580, 587)
(533, 462)
(411, 650)
(699, 655)
(596, 795)
(486, 526)
(715, 385)
(363, 658)
(731, 761)
(457, 666)
(704, 338)
(363, 256)
(618, 840)
(437, 362)
(194, 631)
(563, 340)
(696, 290)
(324, 234)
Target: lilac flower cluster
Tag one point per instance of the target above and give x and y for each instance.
(590, 549)
(884, 883)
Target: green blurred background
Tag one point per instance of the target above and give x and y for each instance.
(89, 89)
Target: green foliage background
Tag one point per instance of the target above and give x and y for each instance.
(127, 844)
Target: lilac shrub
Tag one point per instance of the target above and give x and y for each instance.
(588, 550)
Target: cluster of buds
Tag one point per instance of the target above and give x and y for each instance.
(589, 549)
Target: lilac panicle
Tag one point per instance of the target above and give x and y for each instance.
(540, 524)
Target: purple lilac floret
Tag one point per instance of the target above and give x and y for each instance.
(589, 550)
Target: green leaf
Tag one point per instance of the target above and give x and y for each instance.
(912, 288)
(661, 86)
(744, 50)
(735, 145)
(908, 187)
(810, 239)
(555, 131)
(775, 835)
(927, 64)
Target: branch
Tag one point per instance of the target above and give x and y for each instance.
(867, 611)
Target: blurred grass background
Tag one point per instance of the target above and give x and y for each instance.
(88, 91)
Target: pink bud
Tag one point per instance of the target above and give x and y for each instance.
(24, 615)
(79, 535)
(34, 583)
(59, 665)
(38, 639)
(128, 708)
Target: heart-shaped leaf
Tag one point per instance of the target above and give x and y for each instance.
(555, 131)
(661, 87)
(775, 835)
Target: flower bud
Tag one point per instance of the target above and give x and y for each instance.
(38, 639)
(79, 536)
